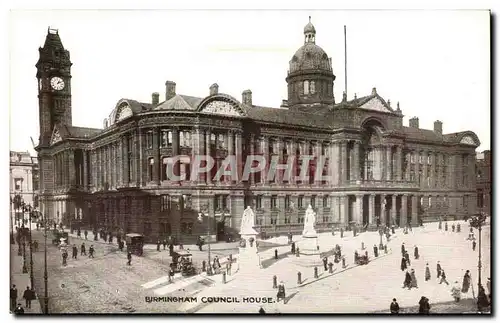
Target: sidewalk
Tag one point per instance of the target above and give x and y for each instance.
(22, 280)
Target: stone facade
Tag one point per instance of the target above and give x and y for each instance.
(483, 174)
(24, 178)
(379, 171)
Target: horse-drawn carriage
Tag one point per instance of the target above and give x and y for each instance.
(60, 237)
(135, 243)
(361, 260)
(181, 262)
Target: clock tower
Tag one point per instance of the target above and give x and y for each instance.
(54, 86)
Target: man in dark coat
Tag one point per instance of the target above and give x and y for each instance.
(13, 297)
(83, 251)
(27, 297)
(164, 244)
(394, 307)
(78, 233)
(64, 257)
(375, 250)
(75, 252)
(466, 282)
(427, 272)
(407, 257)
(85, 233)
(482, 300)
(325, 263)
(171, 249)
(110, 238)
(129, 258)
(415, 253)
(424, 306)
(403, 264)
(91, 251)
(438, 269)
(403, 250)
(446, 226)
(407, 282)
(293, 248)
(474, 245)
(158, 244)
(453, 227)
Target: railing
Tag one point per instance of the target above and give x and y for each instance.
(382, 183)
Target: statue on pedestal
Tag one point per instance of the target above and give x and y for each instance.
(248, 222)
(309, 221)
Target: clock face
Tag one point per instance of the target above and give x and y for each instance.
(57, 83)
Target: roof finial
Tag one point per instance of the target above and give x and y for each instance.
(309, 18)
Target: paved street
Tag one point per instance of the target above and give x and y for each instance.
(21, 280)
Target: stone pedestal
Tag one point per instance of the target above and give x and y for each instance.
(248, 257)
(309, 254)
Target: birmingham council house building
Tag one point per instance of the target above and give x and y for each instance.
(378, 171)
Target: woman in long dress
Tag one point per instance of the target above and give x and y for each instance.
(413, 279)
(403, 264)
(466, 282)
(427, 273)
(407, 282)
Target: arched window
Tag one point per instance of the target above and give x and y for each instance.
(151, 165)
(312, 87)
(306, 87)
(164, 162)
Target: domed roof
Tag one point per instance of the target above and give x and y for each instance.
(310, 57)
(309, 28)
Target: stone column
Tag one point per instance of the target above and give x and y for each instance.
(404, 211)
(156, 157)
(388, 163)
(425, 170)
(417, 166)
(175, 152)
(93, 169)
(230, 152)
(264, 149)
(125, 162)
(85, 170)
(292, 154)
(433, 170)
(238, 142)
(344, 210)
(382, 209)
(198, 150)
(71, 167)
(394, 212)
(355, 161)
(318, 157)
(114, 159)
(208, 153)
(399, 161)
(343, 169)
(371, 209)
(414, 215)
(408, 165)
(252, 153)
(359, 209)
(140, 158)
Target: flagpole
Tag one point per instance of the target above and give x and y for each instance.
(345, 59)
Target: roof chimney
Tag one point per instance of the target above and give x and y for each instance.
(170, 90)
(284, 103)
(155, 98)
(214, 89)
(247, 97)
(414, 122)
(438, 127)
(105, 123)
(374, 91)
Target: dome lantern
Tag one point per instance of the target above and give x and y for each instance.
(309, 32)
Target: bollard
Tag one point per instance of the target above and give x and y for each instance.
(275, 281)
(223, 277)
(315, 272)
(333, 231)
(297, 253)
(231, 258)
(330, 268)
(317, 247)
(440, 226)
(341, 232)
(362, 246)
(299, 278)
(343, 263)
(204, 266)
(276, 254)
(385, 249)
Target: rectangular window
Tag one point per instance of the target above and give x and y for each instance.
(271, 147)
(323, 149)
(420, 159)
(325, 201)
(151, 166)
(285, 148)
(166, 138)
(225, 201)
(287, 202)
(274, 202)
(166, 202)
(258, 202)
(149, 139)
(273, 220)
(313, 201)
(300, 201)
(18, 183)
(429, 159)
(301, 219)
(480, 201)
(325, 219)
(287, 220)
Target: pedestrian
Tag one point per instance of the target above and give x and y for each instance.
(64, 257)
(413, 279)
(427, 272)
(37, 226)
(407, 257)
(27, 297)
(281, 292)
(415, 253)
(35, 245)
(129, 258)
(394, 307)
(19, 309)
(171, 249)
(440, 226)
(83, 251)
(325, 263)
(482, 300)
(443, 278)
(473, 245)
(403, 250)
(459, 228)
(120, 245)
(75, 252)
(164, 244)
(341, 232)
(85, 233)
(403, 264)
(13, 297)
(438, 270)
(343, 262)
(375, 250)
(455, 291)
(110, 238)
(91, 251)
(453, 227)
(424, 306)
(446, 226)
(158, 245)
(276, 254)
(407, 281)
(293, 248)
(393, 231)
(466, 282)
(78, 233)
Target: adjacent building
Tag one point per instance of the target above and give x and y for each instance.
(379, 170)
(483, 181)
(23, 180)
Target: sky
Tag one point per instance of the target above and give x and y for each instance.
(435, 63)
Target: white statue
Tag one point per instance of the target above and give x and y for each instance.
(248, 222)
(309, 221)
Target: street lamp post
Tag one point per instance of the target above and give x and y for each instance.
(30, 214)
(12, 240)
(477, 222)
(201, 215)
(45, 275)
(25, 266)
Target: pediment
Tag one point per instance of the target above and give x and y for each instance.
(468, 140)
(123, 113)
(56, 137)
(375, 104)
(222, 108)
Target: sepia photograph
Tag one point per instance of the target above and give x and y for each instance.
(250, 162)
